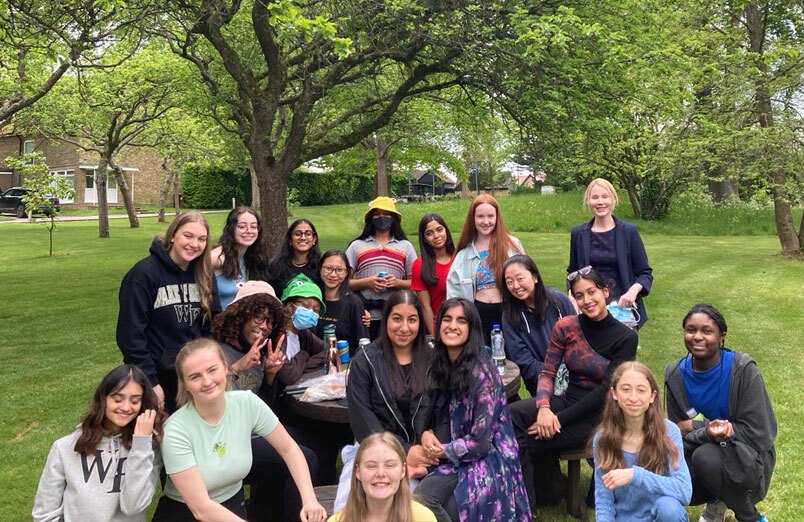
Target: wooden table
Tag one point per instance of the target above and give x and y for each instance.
(336, 411)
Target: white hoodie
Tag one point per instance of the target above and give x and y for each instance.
(114, 484)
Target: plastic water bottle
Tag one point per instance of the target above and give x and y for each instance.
(498, 348)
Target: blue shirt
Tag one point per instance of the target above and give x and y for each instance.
(708, 391)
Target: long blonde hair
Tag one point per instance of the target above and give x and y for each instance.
(657, 447)
(356, 509)
(202, 265)
(183, 396)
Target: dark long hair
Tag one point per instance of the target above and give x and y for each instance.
(369, 230)
(512, 307)
(280, 265)
(343, 290)
(228, 325)
(254, 256)
(449, 376)
(92, 430)
(428, 275)
(421, 352)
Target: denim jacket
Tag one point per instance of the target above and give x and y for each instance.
(461, 277)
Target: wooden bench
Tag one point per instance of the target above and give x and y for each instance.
(326, 497)
(576, 503)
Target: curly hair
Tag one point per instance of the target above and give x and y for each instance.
(255, 259)
(228, 326)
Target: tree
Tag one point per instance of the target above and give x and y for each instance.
(297, 81)
(41, 187)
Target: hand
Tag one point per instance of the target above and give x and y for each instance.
(618, 477)
(685, 426)
(275, 357)
(160, 396)
(628, 298)
(366, 318)
(432, 445)
(376, 283)
(313, 512)
(418, 457)
(390, 281)
(719, 430)
(145, 424)
(252, 357)
(546, 425)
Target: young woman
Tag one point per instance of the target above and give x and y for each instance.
(344, 309)
(165, 299)
(591, 345)
(304, 351)
(530, 310)
(382, 258)
(238, 256)
(640, 472)
(431, 269)
(388, 388)
(613, 248)
(108, 467)
(207, 443)
(251, 334)
(479, 477)
(476, 272)
(380, 490)
(719, 400)
(299, 255)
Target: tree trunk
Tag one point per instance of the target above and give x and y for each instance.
(785, 229)
(255, 186)
(167, 177)
(723, 189)
(133, 220)
(381, 149)
(273, 188)
(633, 197)
(101, 182)
(176, 193)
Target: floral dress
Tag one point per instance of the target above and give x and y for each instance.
(484, 452)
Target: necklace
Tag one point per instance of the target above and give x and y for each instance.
(298, 265)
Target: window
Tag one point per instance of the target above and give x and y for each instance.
(28, 146)
(69, 177)
(89, 176)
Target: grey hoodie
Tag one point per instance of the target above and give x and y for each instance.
(114, 484)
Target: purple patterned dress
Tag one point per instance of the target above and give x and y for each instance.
(484, 452)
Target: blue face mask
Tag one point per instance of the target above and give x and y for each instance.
(304, 318)
(624, 315)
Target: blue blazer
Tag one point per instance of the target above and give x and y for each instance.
(632, 260)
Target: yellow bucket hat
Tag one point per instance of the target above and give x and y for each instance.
(382, 203)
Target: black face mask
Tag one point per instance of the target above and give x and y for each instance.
(383, 222)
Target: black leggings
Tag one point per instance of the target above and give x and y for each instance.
(169, 510)
(490, 314)
(706, 468)
(437, 492)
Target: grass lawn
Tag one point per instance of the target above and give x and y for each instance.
(58, 321)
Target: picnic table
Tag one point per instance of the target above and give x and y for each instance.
(336, 411)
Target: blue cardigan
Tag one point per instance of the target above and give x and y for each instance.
(632, 260)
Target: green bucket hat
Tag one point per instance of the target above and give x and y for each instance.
(303, 286)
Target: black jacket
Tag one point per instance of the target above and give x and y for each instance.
(372, 404)
(750, 414)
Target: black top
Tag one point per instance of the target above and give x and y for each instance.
(347, 316)
(607, 336)
(603, 256)
(282, 272)
(404, 400)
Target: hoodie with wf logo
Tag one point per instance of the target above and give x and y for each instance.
(112, 483)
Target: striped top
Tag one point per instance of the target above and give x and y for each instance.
(368, 257)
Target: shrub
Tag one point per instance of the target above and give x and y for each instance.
(211, 187)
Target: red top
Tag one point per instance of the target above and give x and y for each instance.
(438, 293)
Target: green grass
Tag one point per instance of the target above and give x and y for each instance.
(58, 321)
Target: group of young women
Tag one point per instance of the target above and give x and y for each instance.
(196, 322)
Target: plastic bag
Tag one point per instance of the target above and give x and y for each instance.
(325, 388)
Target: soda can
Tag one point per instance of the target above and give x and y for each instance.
(343, 351)
(382, 274)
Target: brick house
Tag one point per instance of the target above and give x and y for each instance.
(142, 168)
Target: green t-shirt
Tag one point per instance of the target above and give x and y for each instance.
(221, 452)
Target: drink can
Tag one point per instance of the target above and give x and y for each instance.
(382, 274)
(343, 351)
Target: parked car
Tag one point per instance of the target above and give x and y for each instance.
(11, 201)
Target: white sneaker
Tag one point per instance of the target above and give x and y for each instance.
(713, 512)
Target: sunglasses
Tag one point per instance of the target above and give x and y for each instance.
(579, 273)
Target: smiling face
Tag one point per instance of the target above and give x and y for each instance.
(122, 406)
(633, 393)
(591, 300)
(521, 283)
(188, 243)
(435, 235)
(204, 375)
(333, 272)
(259, 326)
(703, 340)
(402, 325)
(246, 229)
(453, 330)
(600, 201)
(485, 219)
(302, 238)
(380, 471)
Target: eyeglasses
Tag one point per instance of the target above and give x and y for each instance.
(245, 226)
(578, 273)
(298, 234)
(329, 270)
(260, 320)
